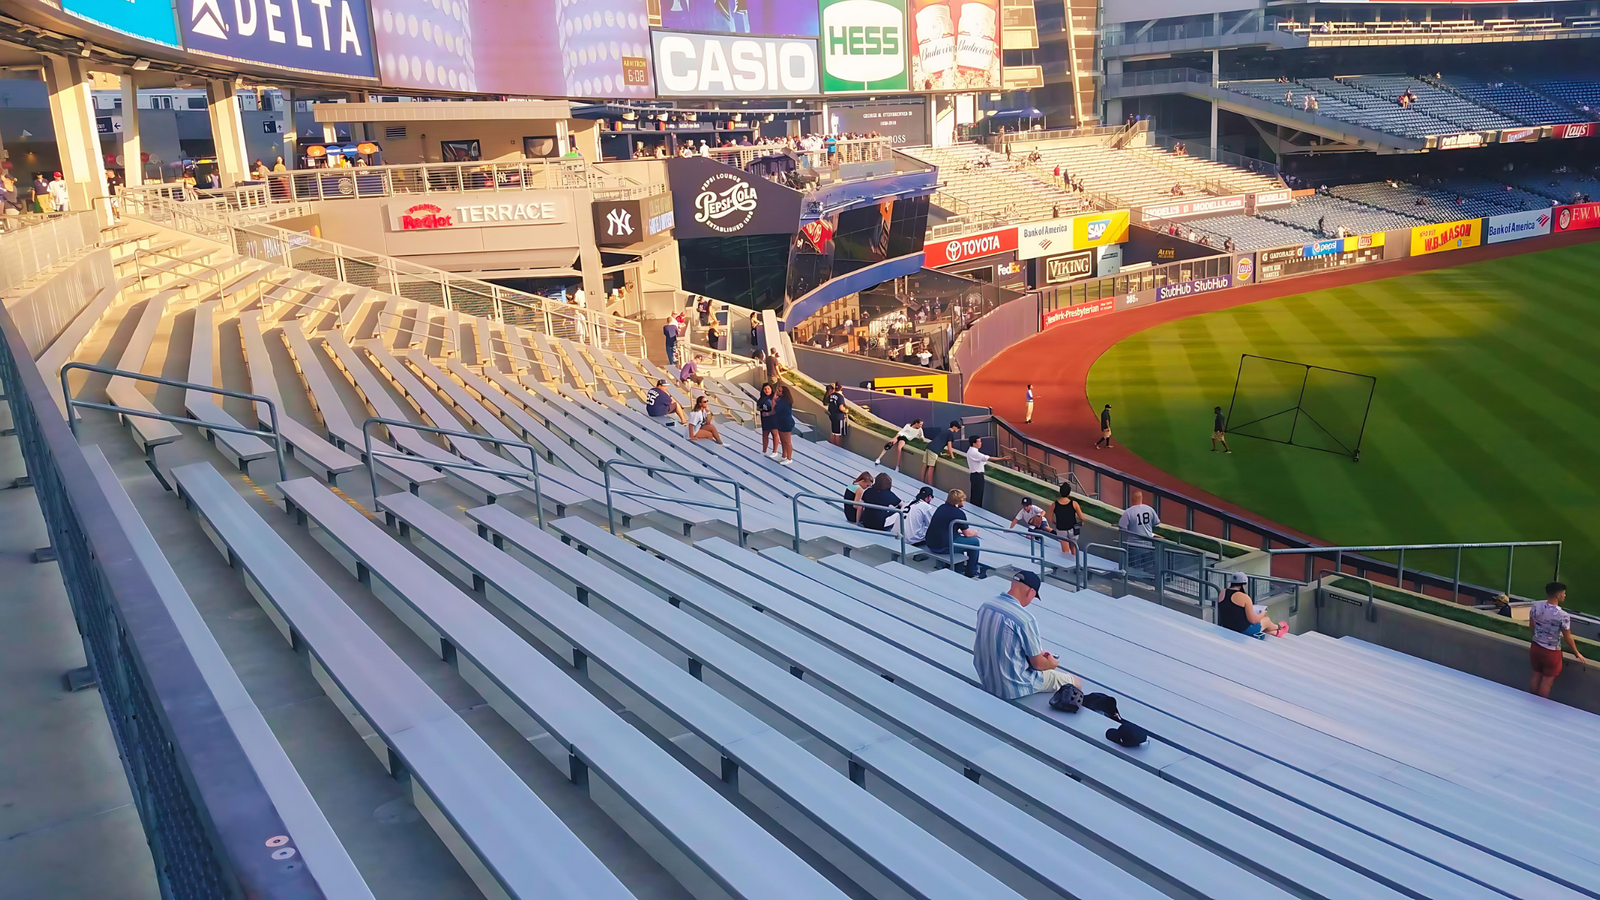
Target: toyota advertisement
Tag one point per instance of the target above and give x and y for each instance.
(718, 65)
(955, 45)
(541, 48)
(973, 246)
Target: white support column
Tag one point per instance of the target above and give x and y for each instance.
(132, 144)
(227, 131)
(77, 140)
(291, 130)
(1216, 75)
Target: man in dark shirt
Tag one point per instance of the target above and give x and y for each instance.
(966, 539)
(836, 413)
(659, 404)
(938, 444)
(1105, 429)
(1219, 430)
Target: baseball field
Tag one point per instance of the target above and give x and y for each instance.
(1484, 424)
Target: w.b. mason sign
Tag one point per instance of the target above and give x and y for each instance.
(711, 199)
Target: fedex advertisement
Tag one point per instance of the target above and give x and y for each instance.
(1516, 226)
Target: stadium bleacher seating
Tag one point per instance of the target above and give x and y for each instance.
(1515, 100)
(684, 700)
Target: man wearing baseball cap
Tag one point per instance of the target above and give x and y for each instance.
(1009, 657)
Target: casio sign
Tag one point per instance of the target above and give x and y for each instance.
(863, 40)
(720, 65)
(726, 203)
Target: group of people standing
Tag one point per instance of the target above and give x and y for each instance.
(47, 194)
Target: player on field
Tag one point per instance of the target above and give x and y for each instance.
(1219, 430)
(1105, 429)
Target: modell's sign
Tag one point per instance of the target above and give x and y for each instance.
(484, 211)
(943, 253)
(1191, 208)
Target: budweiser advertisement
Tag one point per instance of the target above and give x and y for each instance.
(973, 246)
(1076, 313)
(1575, 130)
(955, 45)
(1188, 209)
(1577, 217)
(1446, 236)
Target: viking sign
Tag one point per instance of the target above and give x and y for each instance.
(726, 203)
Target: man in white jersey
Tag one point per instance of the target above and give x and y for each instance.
(1138, 527)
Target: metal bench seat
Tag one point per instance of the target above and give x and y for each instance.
(203, 406)
(984, 817)
(307, 446)
(535, 695)
(313, 838)
(513, 843)
(65, 345)
(125, 393)
(801, 636)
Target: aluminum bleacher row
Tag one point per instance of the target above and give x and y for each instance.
(653, 694)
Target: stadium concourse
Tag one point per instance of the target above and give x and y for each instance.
(567, 652)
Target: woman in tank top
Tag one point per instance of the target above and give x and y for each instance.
(1237, 612)
(1068, 517)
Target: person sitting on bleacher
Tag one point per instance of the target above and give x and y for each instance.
(852, 514)
(966, 539)
(700, 425)
(1238, 612)
(1007, 653)
(690, 373)
(918, 516)
(659, 404)
(880, 494)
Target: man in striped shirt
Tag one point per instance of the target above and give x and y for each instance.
(1009, 657)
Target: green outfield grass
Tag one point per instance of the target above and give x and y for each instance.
(1485, 425)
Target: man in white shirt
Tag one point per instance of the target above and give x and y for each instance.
(918, 517)
(976, 460)
(1138, 527)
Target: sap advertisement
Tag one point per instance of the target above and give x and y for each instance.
(324, 36)
(781, 18)
(150, 20)
(542, 48)
(955, 45)
(1037, 239)
(717, 65)
(863, 46)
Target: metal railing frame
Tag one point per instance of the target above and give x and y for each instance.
(1034, 540)
(532, 473)
(181, 758)
(1370, 607)
(1121, 554)
(1164, 552)
(1250, 587)
(607, 466)
(1366, 564)
(794, 501)
(274, 436)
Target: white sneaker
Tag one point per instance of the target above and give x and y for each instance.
(785, 462)
(774, 456)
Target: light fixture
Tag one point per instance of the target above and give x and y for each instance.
(139, 65)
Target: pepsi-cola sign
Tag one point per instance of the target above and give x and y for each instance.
(972, 246)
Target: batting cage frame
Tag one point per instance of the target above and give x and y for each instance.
(1318, 413)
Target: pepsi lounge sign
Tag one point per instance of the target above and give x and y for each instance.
(322, 36)
(974, 246)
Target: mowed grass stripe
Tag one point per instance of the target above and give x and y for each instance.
(1486, 423)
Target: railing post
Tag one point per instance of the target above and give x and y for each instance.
(1455, 587)
(1400, 572)
(1511, 556)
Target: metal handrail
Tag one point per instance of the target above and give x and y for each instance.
(531, 475)
(275, 436)
(737, 508)
(1400, 564)
(1372, 601)
(842, 503)
(1121, 554)
(1163, 551)
(1034, 540)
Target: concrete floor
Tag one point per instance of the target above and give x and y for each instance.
(68, 827)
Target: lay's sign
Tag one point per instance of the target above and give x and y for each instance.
(1446, 236)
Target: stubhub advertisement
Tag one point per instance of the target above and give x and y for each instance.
(1516, 226)
(1081, 232)
(324, 36)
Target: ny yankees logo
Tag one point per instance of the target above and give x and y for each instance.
(618, 223)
